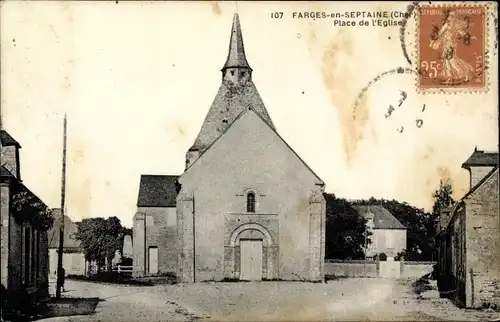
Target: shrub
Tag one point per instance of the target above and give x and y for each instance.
(111, 277)
(382, 257)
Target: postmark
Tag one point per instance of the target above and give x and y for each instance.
(452, 48)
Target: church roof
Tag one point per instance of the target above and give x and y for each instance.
(6, 139)
(481, 158)
(231, 98)
(229, 102)
(382, 218)
(236, 56)
(157, 191)
(247, 110)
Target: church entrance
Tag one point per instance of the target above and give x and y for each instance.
(250, 253)
(251, 260)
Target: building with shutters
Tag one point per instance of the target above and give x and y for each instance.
(388, 234)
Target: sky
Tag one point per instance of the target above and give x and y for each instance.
(136, 80)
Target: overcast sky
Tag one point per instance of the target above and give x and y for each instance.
(137, 79)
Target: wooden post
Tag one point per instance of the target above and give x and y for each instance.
(63, 205)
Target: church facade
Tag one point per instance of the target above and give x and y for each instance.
(246, 207)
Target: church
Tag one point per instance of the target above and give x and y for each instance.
(247, 207)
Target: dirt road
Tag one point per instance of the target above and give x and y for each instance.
(366, 299)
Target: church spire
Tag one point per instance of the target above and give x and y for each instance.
(236, 57)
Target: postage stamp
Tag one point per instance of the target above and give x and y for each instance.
(451, 47)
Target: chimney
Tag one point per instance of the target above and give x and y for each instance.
(479, 164)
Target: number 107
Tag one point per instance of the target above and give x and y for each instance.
(276, 15)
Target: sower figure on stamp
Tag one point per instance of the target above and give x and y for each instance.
(445, 40)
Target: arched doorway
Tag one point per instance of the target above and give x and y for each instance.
(252, 253)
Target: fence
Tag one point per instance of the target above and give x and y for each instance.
(123, 269)
(384, 269)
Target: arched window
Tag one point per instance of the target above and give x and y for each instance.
(250, 202)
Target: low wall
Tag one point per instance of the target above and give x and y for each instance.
(416, 269)
(351, 268)
(360, 268)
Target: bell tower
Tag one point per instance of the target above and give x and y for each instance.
(237, 93)
(236, 70)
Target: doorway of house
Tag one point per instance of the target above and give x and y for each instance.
(251, 260)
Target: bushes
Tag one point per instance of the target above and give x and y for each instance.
(111, 277)
(381, 257)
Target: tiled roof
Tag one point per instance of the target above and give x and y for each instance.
(70, 229)
(7, 140)
(247, 110)
(481, 158)
(382, 218)
(157, 191)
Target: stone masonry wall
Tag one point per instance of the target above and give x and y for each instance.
(4, 246)
(139, 244)
(185, 241)
(161, 232)
(483, 243)
(478, 173)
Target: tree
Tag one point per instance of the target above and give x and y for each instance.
(442, 197)
(29, 209)
(442, 200)
(100, 238)
(345, 230)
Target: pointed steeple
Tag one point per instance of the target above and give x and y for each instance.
(236, 57)
(236, 93)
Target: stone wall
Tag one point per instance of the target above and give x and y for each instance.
(483, 243)
(4, 245)
(159, 227)
(250, 156)
(477, 173)
(138, 231)
(360, 268)
(351, 269)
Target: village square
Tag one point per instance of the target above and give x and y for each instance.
(248, 231)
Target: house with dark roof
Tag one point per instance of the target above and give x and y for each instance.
(73, 256)
(24, 225)
(388, 233)
(246, 206)
(468, 239)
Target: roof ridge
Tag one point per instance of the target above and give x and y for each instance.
(267, 124)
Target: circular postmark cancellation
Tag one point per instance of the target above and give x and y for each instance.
(402, 31)
(394, 71)
(451, 47)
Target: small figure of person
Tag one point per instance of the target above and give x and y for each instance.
(62, 275)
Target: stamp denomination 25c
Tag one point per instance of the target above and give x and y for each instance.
(451, 47)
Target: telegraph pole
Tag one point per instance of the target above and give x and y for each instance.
(63, 206)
